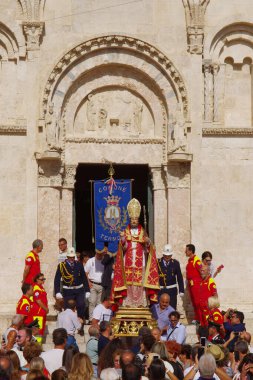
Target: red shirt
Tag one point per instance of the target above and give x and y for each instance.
(24, 307)
(193, 270)
(216, 316)
(39, 293)
(32, 259)
(207, 289)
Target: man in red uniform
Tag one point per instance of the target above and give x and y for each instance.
(24, 305)
(32, 262)
(193, 277)
(207, 288)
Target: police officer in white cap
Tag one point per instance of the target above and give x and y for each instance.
(170, 276)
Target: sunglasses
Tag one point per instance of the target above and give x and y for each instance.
(41, 279)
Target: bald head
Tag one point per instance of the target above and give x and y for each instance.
(204, 271)
(93, 331)
(156, 332)
(164, 301)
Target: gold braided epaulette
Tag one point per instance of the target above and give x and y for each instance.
(67, 277)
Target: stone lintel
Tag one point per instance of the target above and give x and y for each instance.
(48, 155)
(180, 157)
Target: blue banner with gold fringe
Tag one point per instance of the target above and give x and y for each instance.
(110, 209)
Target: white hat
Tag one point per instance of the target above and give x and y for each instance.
(167, 250)
(71, 252)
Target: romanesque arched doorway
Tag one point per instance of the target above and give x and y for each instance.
(113, 99)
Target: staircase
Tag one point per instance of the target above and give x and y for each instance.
(5, 321)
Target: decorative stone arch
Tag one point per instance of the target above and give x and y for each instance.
(228, 55)
(10, 44)
(225, 27)
(154, 59)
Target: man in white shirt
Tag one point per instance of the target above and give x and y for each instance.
(102, 312)
(53, 358)
(24, 336)
(68, 320)
(176, 330)
(94, 270)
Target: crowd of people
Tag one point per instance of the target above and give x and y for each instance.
(89, 289)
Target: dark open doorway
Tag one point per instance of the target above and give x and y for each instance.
(141, 189)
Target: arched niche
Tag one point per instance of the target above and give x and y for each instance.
(10, 43)
(119, 100)
(228, 80)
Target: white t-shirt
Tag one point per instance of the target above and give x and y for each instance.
(101, 313)
(95, 269)
(68, 320)
(52, 359)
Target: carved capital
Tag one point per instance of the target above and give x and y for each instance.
(177, 175)
(33, 31)
(69, 176)
(194, 15)
(216, 68)
(157, 178)
(49, 169)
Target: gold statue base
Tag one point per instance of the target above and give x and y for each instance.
(128, 321)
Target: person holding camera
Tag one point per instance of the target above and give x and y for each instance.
(233, 322)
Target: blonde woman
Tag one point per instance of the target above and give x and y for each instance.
(81, 368)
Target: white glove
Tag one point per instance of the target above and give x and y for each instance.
(87, 294)
(58, 296)
(181, 295)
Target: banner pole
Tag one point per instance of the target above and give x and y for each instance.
(91, 211)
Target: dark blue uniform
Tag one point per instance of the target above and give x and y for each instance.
(170, 278)
(74, 284)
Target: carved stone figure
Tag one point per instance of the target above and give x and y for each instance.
(102, 116)
(178, 135)
(91, 113)
(33, 32)
(138, 108)
(52, 128)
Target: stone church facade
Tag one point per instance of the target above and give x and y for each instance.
(163, 83)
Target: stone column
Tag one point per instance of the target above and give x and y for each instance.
(208, 92)
(179, 217)
(66, 204)
(160, 208)
(178, 195)
(48, 226)
(216, 94)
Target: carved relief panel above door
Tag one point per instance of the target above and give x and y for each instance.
(114, 112)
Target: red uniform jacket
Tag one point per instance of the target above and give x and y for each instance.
(32, 259)
(24, 307)
(207, 288)
(193, 271)
(39, 293)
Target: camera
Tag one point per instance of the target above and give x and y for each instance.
(203, 341)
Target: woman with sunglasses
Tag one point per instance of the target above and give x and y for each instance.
(207, 258)
(40, 302)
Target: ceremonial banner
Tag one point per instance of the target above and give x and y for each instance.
(110, 210)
